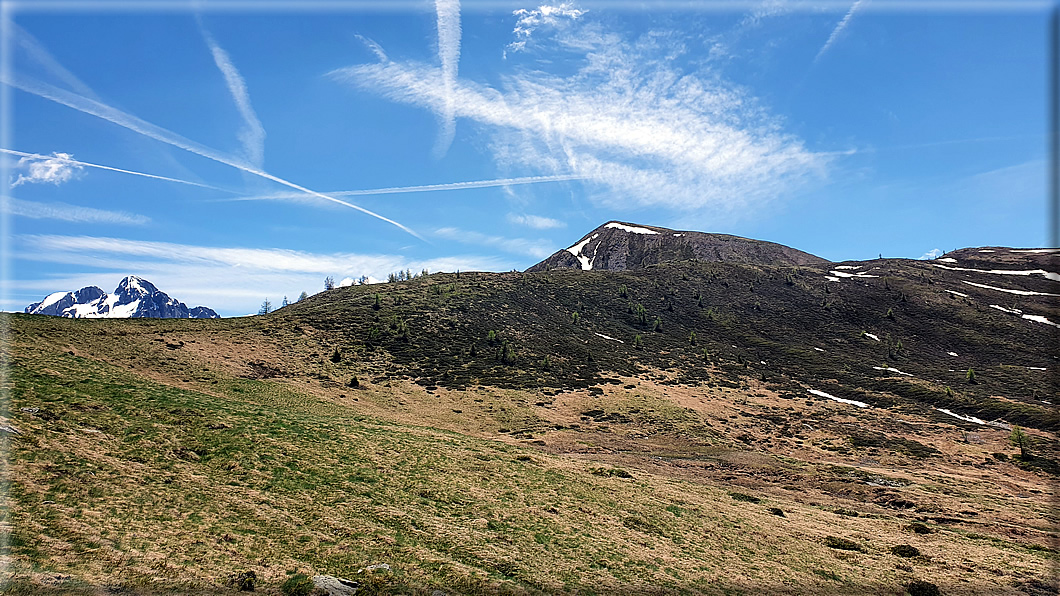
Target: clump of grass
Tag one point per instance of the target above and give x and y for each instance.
(745, 497)
(919, 528)
(611, 473)
(842, 544)
(243, 581)
(298, 584)
(922, 588)
(905, 550)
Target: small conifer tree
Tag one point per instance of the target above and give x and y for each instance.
(1019, 439)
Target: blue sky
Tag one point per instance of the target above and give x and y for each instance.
(237, 140)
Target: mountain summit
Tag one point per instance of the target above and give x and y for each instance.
(134, 297)
(620, 246)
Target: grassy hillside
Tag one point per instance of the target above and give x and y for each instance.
(165, 456)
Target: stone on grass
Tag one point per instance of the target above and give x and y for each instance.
(335, 586)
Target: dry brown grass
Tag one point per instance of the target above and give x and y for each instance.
(484, 490)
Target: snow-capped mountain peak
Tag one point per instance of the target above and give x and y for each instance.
(134, 297)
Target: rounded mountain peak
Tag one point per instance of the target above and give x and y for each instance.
(621, 246)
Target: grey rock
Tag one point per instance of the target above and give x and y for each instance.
(335, 586)
(375, 567)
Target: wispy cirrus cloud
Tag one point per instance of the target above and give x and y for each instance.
(449, 55)
(54, 169)
(640, 130)
(374, 47)
(111, 114)
(538, 249)
(71, 213)
(232, 280)
(536, 221)
(722, 44)
(252, 134)
(529, 20)
(838, 29)
(931, 254)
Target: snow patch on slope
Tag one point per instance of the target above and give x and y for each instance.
(839, 399)
(52, 299)
(959, 417)
(576, 250)
(1019, 292)
(1046, 274)
(631, 229)
(1014, 311)
(894, 370)
(1040, 319)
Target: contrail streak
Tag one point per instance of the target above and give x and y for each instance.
(109, 168)
(424, 188)
(101, 110)
(38, 54)
(253, 133)
(838, 29)
(449, 55)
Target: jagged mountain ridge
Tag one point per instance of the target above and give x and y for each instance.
(621, 246)
(134, 297)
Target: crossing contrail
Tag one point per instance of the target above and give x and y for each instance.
(116, 116)
(423, 188)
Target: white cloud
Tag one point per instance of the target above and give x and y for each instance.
(74, 162)
(538, 249)
(536, 221)
(529, 20)
(641, 131)
(71, 213)
(230, 280)
(838, 29)
(56, 169)
(931, 254)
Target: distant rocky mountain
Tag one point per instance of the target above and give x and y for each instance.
(619, 246)
(135, 297)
